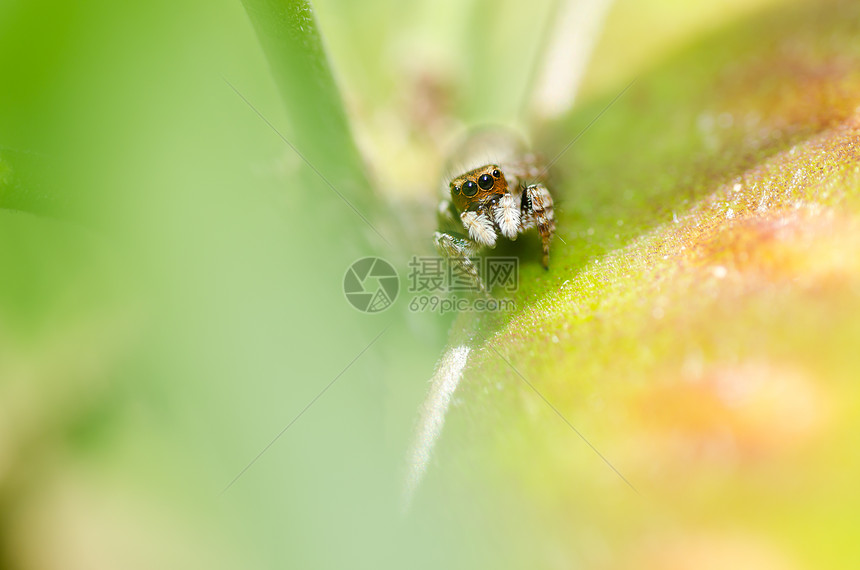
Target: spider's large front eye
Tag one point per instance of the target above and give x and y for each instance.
(485, 182)
(470, 188)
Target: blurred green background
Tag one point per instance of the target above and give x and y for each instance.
(171, 288)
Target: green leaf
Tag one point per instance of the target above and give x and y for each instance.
(697, 326)
(318, 126)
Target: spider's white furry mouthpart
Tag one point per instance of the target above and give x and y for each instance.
(508, 217)
(480, 228)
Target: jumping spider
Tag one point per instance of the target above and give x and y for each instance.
(490, 200)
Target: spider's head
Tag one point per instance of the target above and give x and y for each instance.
(477, 186)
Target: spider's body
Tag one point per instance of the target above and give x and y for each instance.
(493, 201)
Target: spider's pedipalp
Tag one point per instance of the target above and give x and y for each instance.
(507, 215)
(480, 228)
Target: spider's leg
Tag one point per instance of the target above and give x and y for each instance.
(459, 250)
(446, 214)
(537, 205)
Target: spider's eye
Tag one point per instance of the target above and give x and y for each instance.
(496, 173)
(455, 190)
(470, 188)
(485, 182)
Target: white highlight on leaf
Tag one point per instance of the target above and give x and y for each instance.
(508, 216)
(578, 25)
(431, 418)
